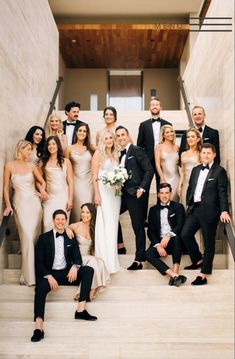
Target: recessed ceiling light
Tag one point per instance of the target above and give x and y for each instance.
(74, 40)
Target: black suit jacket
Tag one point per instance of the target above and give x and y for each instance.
(45, 253)
(146, 137)
(209, 135)
(214, 199)
(78, 122)
(176, 216)
(139, 168)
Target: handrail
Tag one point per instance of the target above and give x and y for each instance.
(186, 102)
(231, 238)
(5, 219)
(52, 103)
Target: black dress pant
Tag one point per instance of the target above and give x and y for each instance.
(135, 207)
(84, 276)
(173, 248)
(194, 221)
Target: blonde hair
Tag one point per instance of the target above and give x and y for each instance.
(48, 130)
(162, 132)
(21, 144)
(101, 145)
(199, 143)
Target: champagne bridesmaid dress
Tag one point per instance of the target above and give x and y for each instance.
(28, 216)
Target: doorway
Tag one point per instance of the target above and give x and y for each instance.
(125, 90)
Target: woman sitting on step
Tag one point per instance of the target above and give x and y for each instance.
(85, 232)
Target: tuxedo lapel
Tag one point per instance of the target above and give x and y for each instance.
(128, 154)
(195, 179)
(211, 171)
(150, 129)
(52, 245)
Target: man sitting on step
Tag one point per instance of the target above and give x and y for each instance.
(58, 262)
(165, 222)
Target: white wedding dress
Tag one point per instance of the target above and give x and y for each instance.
(106, 227)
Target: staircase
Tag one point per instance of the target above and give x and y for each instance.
(139, 315)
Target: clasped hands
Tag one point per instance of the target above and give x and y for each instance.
(72, 276)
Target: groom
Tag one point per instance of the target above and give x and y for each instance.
(137, 164)
(58, 262)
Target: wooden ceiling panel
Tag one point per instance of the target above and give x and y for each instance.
(122, 46)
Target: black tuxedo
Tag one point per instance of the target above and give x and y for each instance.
(205, 214)
(209, 135)
(176, 216)
(78, 122)
(44, 259)
(145, 140)
(141, 173)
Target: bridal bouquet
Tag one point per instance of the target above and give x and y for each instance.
(115, 178)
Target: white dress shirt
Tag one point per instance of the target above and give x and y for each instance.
(156, 132)
(200, 184)
(59, 259)
(165, 226)
(122, 163)
(69, 132)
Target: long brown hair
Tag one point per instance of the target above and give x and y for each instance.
(46, 153)
(87, 141)
(92, 209)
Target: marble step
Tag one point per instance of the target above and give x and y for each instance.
(220, 261)
(76, 346)
(129, 286)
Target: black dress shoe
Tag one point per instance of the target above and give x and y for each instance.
(122, 250)
(194, 266)
(37, 335)
(171, 281)
(199, 281)
(135, 266)
(179, 280)
(84, 315)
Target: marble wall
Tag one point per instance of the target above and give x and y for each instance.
(28, 69)
(209, 81)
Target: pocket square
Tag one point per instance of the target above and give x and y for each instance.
(172, 215)
(68, 245)
(210, 179)
(129, 157)
(206, 138)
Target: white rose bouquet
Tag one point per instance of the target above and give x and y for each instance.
(115, 178)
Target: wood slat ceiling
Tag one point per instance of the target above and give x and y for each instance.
(122, 46)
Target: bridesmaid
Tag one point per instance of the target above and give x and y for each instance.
(58, 174)
(22, 174)
(80, 155)
(85, 233)
(110, 119)
(189, 159)
(36, 135)
(55, 128)
(167, 159)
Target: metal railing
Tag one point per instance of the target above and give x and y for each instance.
(185, 99)
(5, 219)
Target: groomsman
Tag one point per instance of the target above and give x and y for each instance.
(69, 125)
(58, 262)
(207, 203)
(135, 160)
(149, 135)
(165, 222)
(208, 134)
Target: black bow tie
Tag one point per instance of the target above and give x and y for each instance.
(71, 123)
(163, 207)
(205, 167)
(59, 234)
(123, 152)
(155, 120)
(200, 129)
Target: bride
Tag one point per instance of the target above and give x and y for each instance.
(108, 205)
